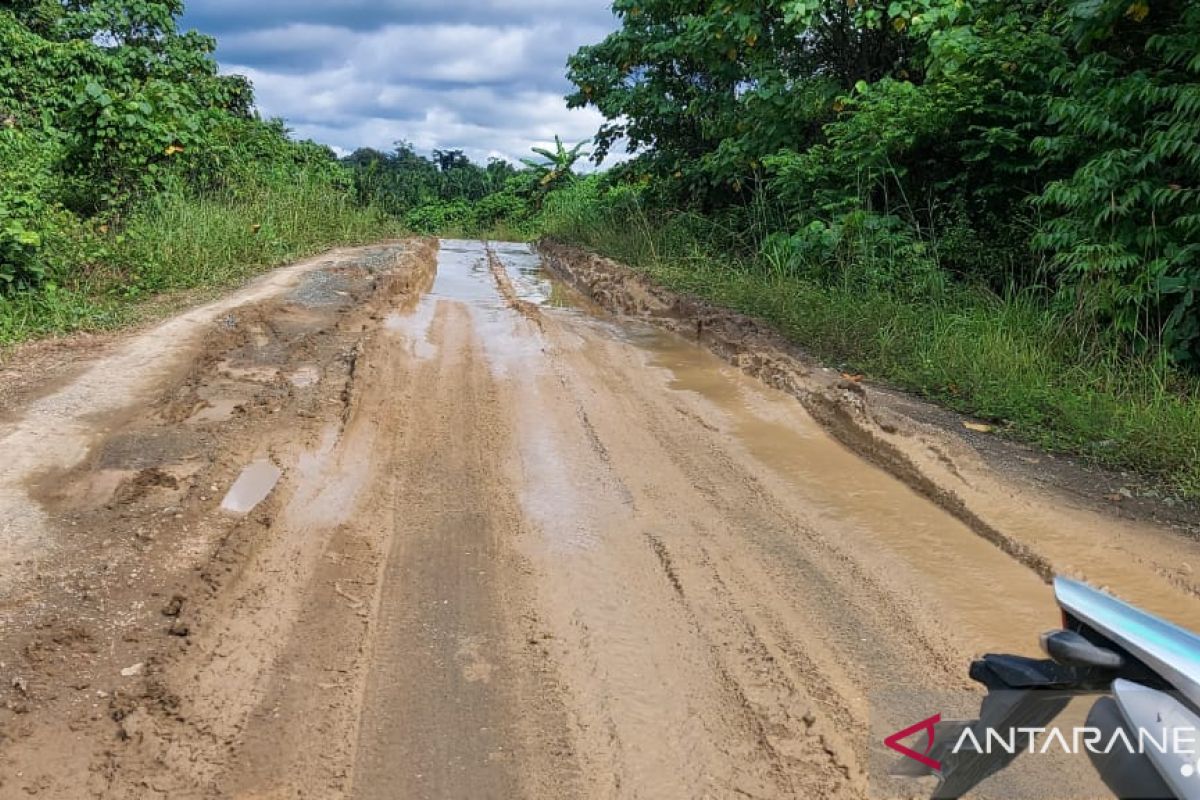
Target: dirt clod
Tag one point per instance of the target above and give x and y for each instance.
(174, 606)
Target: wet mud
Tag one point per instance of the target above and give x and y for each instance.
(465, 519)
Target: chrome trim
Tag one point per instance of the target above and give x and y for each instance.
(1171, 651)
(1158, 713)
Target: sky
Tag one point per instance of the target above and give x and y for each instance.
(483, 76)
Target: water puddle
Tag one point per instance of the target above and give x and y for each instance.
(530, 280)
(217, 409)
(413, 328)
(305, 376)
(772, 427)
(328, 479)
(860, 498)
(253, 486)
(874, 510)
(464, 277)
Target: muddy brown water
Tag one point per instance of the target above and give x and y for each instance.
(461, 533)
(582, 508)
(639, 669)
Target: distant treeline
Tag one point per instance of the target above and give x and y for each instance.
(447, 192)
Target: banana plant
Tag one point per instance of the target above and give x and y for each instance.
(557, 167)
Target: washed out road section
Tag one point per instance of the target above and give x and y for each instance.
(495, 542)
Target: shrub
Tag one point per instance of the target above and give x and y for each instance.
(439, 217)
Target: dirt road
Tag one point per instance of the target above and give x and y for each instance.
(428, 522)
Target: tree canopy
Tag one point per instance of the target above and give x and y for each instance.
(1049, 143)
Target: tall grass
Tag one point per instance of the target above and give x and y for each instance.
(1011, 359)
(180, 240)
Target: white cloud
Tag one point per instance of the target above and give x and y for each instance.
(486, 77)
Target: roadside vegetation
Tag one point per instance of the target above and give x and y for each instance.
(129, 168)
(448, 194)
(995, 204)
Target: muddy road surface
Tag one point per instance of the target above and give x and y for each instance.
(427, 520)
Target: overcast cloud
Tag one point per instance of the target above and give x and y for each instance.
(481, 75)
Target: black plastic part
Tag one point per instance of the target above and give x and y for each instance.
(1003, 712)
(1019, 672)
(1071, 648)
(1030, 693)
(1022, 693)
(1129, 775)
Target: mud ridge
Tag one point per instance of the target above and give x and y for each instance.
(504, 283)
(842, 406)
(122, 628)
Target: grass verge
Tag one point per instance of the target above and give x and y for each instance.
(179, 241)
(1009, 360)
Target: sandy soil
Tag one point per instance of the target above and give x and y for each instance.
(496, 542)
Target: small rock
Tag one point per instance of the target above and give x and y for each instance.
(132, 671)
(20, 685)
(173, 608)
(179, 628)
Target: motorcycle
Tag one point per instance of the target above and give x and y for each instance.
(1146, 672)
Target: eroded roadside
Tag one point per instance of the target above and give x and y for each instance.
(119, 562)
(497, 541)
(1050, 517)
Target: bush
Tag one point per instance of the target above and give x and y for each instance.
(1124, 226)
(40, 241)
(438, 217)
(128, 166)
(26, 216)
(502, 208)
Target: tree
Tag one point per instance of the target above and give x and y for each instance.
(703, 91)
(447, 160)
(1123, 226)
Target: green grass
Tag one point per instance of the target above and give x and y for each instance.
(178, 242)
(1009, 360)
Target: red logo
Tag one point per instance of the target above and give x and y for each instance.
(927, 725)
